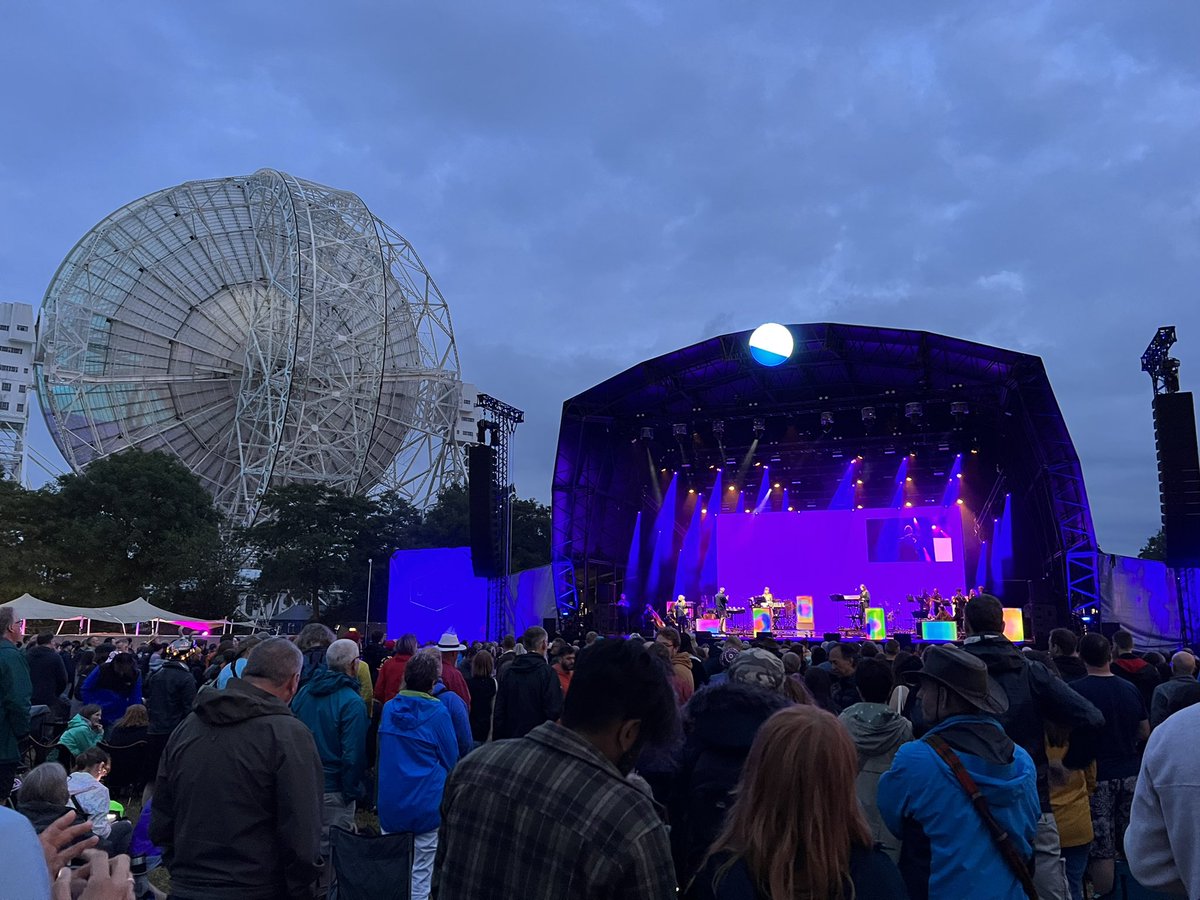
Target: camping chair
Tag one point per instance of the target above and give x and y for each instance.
(131, 768)
(370, 867)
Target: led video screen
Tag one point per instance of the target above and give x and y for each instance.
(822, 552)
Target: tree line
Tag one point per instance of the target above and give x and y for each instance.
(141, 524)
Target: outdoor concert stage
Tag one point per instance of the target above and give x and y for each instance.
(902, 460)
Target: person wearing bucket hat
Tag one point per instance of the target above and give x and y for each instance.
(450, 646)
(947, 850)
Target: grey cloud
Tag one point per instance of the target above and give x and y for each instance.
(594, 185)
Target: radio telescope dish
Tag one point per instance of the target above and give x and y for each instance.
(265, 330)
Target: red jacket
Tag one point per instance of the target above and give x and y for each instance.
(453, 680)
(564, 678)
(391, 676)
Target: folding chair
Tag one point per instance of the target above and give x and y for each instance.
(370, 867)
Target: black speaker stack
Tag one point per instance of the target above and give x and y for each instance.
(1178, 476)
(487, 555)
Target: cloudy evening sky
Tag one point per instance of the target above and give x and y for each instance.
(594, 184)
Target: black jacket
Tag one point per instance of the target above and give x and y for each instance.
(720, 723)
(1071, 668)
(237, 803)
(1035, 696)
(48, 675)
(528, 696)
(170, 693)
(871, 874)
(483, 697)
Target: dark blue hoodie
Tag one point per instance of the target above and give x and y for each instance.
(330, 705)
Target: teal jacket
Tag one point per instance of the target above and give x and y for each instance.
(80, 735)
(330, 705)
(15, 691)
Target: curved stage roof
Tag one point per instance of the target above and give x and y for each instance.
(845, 391)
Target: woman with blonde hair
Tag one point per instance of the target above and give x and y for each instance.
(795, 831)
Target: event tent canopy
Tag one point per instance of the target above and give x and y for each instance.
(29, 607)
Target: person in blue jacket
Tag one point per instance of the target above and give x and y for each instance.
(947, 851)
(417, 750)
(459, 715)
(114, 686)
(329, 704)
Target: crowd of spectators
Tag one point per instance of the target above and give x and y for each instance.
(612, 767)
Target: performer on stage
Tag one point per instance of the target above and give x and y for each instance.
(722, 601)
(766, 596)
(677, 615)
(864, 600)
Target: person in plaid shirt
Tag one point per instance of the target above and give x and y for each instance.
(555, 814)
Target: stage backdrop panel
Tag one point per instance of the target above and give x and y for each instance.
(1140, 595)
(823, 552)
(432, 590)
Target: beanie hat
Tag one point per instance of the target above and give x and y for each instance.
(728, 655)
(757, 667)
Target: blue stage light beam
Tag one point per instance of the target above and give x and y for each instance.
(900, 482)
(953, 483)
(843, 497)
(662, 562)
(633, 562)
(687, 571)
(764, 491)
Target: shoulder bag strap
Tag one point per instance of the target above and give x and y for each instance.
(1003, 840)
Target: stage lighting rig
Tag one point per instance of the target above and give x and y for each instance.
(826, 422)
(1159, 364)
(958, 409)
(760, 428)
(718, 428)
(647, 433)
(868, 416)
(680, 430)
(913, 411)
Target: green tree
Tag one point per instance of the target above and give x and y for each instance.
(447, 522)
(530, 534)
(131, 524)
(309, 539)
(1155, 547)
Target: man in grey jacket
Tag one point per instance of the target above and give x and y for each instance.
(878, 732)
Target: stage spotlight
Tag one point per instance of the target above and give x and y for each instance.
(778, 486)
(859, 482)
(647, 433)
(703, 511)
(958, 409)
(733, 487)
(826, 421)
(913, 411)
(718, 428)
(959, 501)
(691, 490)
(760, 427)
(868, 416)
(679, 429)
(908, 504)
